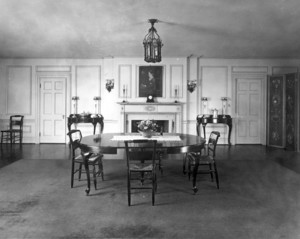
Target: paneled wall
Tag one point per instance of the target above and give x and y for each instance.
(19, 86)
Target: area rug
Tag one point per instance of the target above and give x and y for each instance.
(256, 199)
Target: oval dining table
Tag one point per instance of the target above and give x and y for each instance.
(109, 143)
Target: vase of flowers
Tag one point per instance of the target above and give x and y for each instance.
(147, 128)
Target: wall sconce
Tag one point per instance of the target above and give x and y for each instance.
(176, 89)
(125, 91)
(75, 99)
(109, 84)
(224, 105)
(191, 85)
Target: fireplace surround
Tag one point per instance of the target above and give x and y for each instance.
(167, 115)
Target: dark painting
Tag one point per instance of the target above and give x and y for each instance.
(150, 81)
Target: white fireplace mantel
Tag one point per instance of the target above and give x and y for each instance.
(169, 111)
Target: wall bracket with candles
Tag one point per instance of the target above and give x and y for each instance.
(224, 105)
(176, 89)
(204, 105)
(96, 99)
(125, 92)
(75, 103)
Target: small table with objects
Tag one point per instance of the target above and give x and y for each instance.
(209, 119)
(94, 119)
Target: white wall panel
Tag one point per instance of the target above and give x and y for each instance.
(125, 81)
(176, 81)
(18, 93)
(87, 87)
(214, 85)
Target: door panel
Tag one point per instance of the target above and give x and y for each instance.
(53, 108)
(276, 111)
(248, 109)
(292, 102)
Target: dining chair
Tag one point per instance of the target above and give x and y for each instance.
(205, 164)
(78, 155)
(141, 166)
(15, 132)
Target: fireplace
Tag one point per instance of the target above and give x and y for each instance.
(166, 115)
(163, 125)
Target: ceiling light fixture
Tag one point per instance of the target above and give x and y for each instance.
(152, 44)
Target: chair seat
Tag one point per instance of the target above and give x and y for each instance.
(206, 159)
(141, 167)
(92, 159)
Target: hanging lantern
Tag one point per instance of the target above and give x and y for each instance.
(152, 44)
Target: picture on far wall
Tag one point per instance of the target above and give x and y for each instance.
(150, 81)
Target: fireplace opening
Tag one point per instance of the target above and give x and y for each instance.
(163, 125)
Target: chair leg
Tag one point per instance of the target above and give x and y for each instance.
(94, 176)
(153, 190)
(72, 174)
(190, 170)
(216, 175)
(100, 168)
(79, 172)
(129, 189)
(21, 138)
(211, 172)
(11, 138)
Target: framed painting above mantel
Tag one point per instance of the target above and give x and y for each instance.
(150, 81)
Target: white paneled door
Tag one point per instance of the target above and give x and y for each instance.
(248, 111)
(52, 109)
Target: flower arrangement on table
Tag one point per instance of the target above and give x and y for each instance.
(147, 127)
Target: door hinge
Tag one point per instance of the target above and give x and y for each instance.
(39, 134)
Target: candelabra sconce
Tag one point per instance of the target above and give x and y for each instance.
(125, 93)
(96, 99)
(191, 85)
(204, 105)
(176, 89)
(224, 106)
(75, 103)
(109, 84)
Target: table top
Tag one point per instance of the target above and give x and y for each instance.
(172, 143)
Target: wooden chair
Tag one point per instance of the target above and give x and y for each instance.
(141, 166)
(15, 132)
(79, 154)
(207, 162)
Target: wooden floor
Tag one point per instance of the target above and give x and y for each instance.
(288, 159)
(258, 197)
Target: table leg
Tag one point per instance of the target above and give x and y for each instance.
(204, 133)
(229, 134)
(95, 125)
(195, 171)
(184, 164)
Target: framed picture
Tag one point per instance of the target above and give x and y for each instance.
(150, 81)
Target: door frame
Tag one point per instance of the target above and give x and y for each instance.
(263, 121)
(38, 99)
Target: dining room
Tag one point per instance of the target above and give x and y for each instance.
(102, 69)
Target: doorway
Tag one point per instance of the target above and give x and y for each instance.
(52, 109)
(249, 106)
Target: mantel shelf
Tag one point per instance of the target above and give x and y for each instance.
(152, 103)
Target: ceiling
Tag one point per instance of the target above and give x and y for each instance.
(116, 28)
